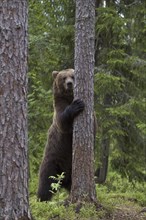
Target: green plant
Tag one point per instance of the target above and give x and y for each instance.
(56, 185)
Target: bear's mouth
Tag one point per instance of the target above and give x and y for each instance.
(69, 90)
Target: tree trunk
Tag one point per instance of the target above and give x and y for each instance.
(83, 185)
(101, 172)
(14, 203)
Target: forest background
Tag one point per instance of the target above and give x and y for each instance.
(120, 92)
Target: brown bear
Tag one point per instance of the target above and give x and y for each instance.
(58, 152)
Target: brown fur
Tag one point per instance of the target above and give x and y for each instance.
(58, 152)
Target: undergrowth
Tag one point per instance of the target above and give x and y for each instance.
(116, 192)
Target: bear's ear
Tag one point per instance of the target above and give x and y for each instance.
(54, 74)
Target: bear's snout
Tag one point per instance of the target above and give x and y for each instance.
(69, 84)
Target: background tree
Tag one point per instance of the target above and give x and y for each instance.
(120, 62)
(13, 111)
(83, 185)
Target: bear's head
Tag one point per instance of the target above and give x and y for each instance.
(63, 82)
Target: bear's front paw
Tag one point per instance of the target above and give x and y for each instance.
(77, 106)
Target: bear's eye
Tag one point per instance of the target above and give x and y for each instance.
(64, 78)
(73, 77)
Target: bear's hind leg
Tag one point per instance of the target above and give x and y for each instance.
(47, 169)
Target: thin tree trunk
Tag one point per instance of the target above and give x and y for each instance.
(14, 203)
(101, 172)
(83, 185)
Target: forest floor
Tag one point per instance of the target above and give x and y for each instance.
(129, 212)
(118, 200)
(121, 212)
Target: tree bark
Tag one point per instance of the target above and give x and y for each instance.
(83, 185)
(14, 203)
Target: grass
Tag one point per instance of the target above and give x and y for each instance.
(117, 196)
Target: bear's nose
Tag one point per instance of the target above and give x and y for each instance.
(69, 84)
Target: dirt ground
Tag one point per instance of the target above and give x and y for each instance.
(127, 213)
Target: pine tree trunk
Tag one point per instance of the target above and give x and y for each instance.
(83, 185)
(14, 203)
